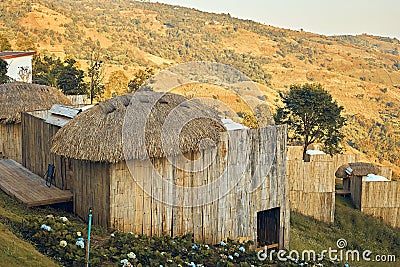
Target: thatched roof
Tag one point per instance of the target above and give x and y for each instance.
(21, 97)
(104, 132)
(357, 169)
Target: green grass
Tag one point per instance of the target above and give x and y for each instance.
(15, 251)
(362, 232)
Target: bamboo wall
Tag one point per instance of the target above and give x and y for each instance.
(355, 190)
(312, 182)
(382, 200)
(233, 215)
(10, 141)
(36, 148)
(77, 100)
(91, 189)
(386, 171)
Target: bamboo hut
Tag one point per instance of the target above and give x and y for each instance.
(371, 193)
(38, 127)
(312, 182)
(111, 174)
(16, 98)
(352, 170)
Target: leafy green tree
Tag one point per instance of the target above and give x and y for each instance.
(312, 116)
(63, 75)
(3, 72)
(70, 79)
(46, 70)
(139, 78)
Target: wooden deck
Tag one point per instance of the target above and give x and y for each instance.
(28, 187)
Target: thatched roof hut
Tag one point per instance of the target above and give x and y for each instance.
(356, 169)
(96, 134)
(170, 193)
(16, 98)
(20, 97)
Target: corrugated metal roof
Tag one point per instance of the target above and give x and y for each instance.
(64, 111)
(59, 115)
(230, 125)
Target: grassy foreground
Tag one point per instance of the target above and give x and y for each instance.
(360, 231)
(15, 251)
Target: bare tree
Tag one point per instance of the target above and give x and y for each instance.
(25, 74)
(95, 73)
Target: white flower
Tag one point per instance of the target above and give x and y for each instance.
(64, 219)
(78, 233)
(222, 243)
(45, 227)
(63, 243)
(242, 249)
(50, 216)
(131, 255)
(112, 235)
(207, 246)
(124, 261)
(192, 264)
(80, 243)
(230, 257)
(236, 255)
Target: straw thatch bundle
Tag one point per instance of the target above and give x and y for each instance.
(97, 133)
(20, 97)
(358, 169)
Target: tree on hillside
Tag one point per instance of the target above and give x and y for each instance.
(70, 79)
(139, 78)
(312, 116)
(4, 43)
(23, 43)
(117, 84)
(3, 72)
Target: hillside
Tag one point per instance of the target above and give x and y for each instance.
(361, 72)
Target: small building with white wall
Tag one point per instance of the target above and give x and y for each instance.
(19, 65)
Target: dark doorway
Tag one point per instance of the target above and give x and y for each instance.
(268, 227)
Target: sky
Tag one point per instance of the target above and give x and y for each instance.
(328, 17)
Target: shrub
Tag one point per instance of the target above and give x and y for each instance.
(61, 239)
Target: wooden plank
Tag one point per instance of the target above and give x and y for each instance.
(27, 187)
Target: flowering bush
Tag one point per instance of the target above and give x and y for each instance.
(63, 240)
